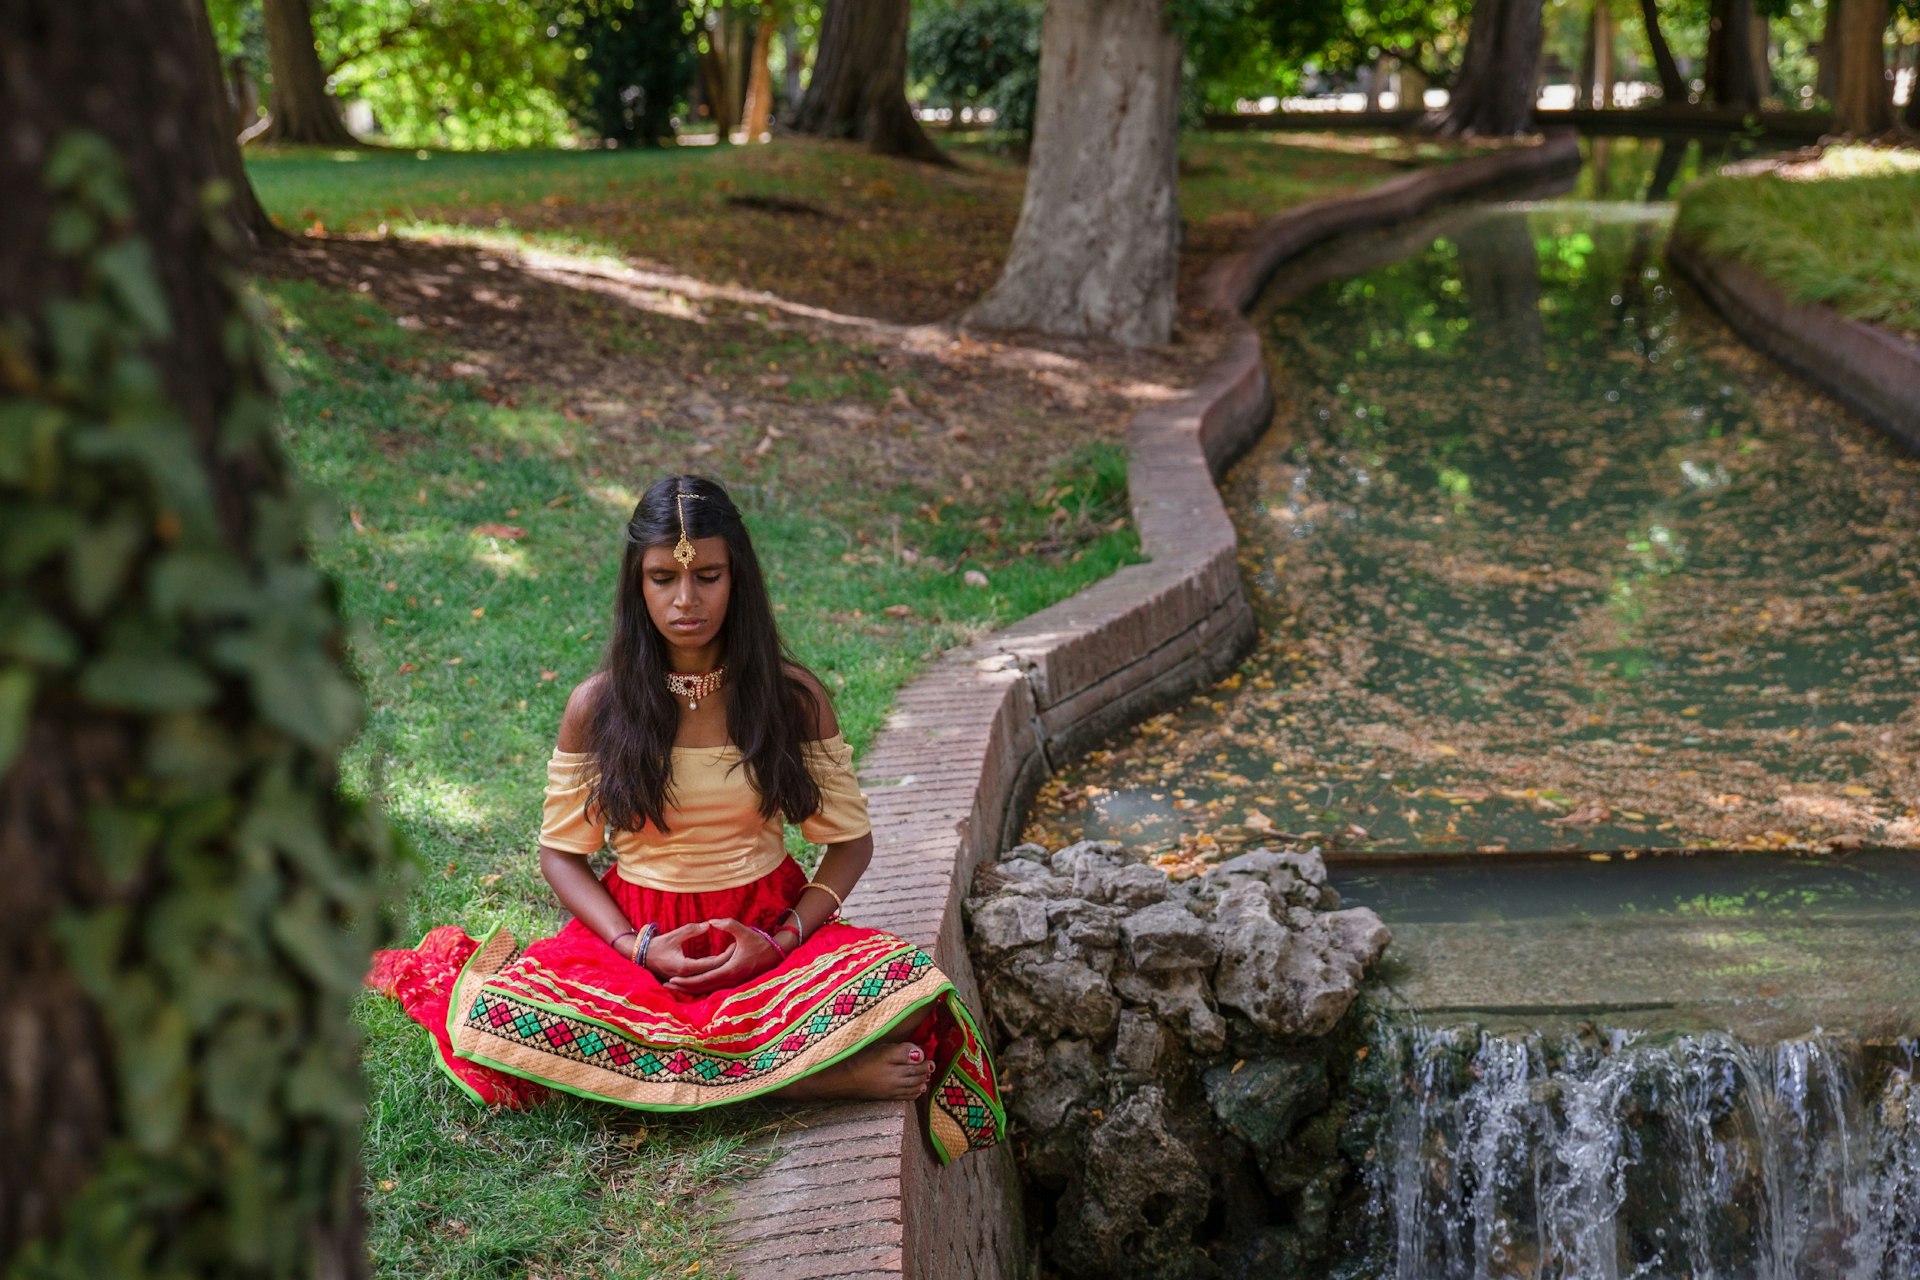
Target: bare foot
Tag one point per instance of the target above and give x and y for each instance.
(886, 1070)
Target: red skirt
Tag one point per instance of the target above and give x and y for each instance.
(568, 1012)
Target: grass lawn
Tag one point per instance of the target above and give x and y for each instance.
(1843, 230)
(485, 391)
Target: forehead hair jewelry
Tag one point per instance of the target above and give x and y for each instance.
(683, 549)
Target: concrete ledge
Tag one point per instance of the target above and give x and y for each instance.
(950, 776)
(1870, 370)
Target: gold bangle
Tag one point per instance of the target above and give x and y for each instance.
(839, 903)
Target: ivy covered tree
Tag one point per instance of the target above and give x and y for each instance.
(189, 900)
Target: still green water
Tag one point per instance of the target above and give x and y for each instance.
(1544, 558)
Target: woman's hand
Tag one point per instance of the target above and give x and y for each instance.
(667, 957)
(748, 953)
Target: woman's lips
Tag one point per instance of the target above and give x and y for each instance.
(688, 624)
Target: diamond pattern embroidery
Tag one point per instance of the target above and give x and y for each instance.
(578, 1040)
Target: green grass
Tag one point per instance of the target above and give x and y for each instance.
(1846, 234)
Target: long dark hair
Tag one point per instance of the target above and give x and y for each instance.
(769, 711)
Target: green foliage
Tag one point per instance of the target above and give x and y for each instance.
(140, 600)
(980, 53)
(634, 62)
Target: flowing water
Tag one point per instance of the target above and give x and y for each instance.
(1544, 558)
(1591, 1157)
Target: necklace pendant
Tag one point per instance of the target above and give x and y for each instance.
(693, 706)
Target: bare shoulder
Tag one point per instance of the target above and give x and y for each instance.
(575, 720)
(825, 723)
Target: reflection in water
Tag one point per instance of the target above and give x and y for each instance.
(1544, 558)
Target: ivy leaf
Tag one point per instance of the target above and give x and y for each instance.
(147, 682)
(129, 272)
(98, 559)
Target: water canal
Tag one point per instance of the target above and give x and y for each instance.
(1590, 655)
(1544, 558)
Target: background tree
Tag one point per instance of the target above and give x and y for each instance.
(859, 85)
(1862, 98)
(635, 62)
(182, 1091)
(301, 108)
(1499, 79)
(1735, 73)
(1095, 250)
(247, 220)
(1673, 87)
(980, 53)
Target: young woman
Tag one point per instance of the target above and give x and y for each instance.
(704, 967)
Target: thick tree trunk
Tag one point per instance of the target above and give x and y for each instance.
(302, 109)
(180, 1093)
(758, 114)
(247, 220)
(1731, 77)
(859, 85)
(1863, 99)
(1096, 248)
(1498, 83)
(1673, 89)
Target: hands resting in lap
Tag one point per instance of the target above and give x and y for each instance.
(705, 956)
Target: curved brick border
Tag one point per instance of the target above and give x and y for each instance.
(1870, 370)
(855, 1194)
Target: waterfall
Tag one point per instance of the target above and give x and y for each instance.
(1625, 1156)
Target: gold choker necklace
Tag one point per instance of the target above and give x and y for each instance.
(694, 688)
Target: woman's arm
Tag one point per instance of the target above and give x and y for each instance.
(582, 894)
(841, 867)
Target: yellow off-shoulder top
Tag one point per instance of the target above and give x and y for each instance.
(716, 838)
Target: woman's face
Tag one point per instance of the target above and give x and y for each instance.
(688, 603)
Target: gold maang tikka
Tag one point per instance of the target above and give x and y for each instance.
(683, 550)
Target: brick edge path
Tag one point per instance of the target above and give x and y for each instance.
(855, 1194)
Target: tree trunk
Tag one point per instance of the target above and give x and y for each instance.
(721, 65)
(859, 86)
(1863, 101)
(1410, 86)
(1673, 89)
(1500, 279)
(796, 51)
(1911, 115)
(759, 109)
(1603, 53)
(1096, 248)
(1589, 50)
(1673, 153)
(181, 1089)
(302, 109)
(246, 219)
(1731, 78)
(1497, 85)
(1827, 61)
